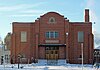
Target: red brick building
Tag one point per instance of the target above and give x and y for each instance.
(52, 37)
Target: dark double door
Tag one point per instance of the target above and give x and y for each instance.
(52, 53)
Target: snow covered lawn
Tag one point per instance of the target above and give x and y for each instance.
(46, 67)
(42, 65)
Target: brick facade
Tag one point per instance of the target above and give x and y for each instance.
(68, 46)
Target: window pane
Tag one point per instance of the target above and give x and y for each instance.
(47, 34)
(80, 36)
(56, 34)
(23, 36)
(51, 34)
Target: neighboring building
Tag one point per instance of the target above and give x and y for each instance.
(7, 41)
(0, 54)
(5, 49)
(97, 55)
(52, 37)
(4, 54)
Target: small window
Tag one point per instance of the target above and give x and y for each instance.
(52, 34)
(80, 36)
(47, 34)
(23, 36)
(52, 20)
(56, 34)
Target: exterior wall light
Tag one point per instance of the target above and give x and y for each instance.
(67, 33)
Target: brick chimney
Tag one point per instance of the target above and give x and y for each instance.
(86, 15)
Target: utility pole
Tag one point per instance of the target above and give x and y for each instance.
(82, 54)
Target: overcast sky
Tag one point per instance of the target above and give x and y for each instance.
(29, 10)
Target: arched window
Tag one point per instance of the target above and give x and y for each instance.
(52, 20)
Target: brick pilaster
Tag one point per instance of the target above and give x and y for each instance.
(67, 59)
(36, 46)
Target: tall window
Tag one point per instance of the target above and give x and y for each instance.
(47, 34)
(56, 35)
(23, 36)
(80, 36)
(52, 34)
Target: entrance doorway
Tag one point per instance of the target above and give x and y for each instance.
(51, 53)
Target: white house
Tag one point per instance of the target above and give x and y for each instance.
(4, 54)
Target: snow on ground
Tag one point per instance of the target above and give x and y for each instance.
(43, 65)
(46, 67)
